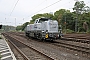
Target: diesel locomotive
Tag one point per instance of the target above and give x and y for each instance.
(44, 29)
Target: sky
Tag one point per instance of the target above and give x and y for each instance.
(17, 12)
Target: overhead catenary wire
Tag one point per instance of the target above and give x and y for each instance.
(45, 7)
(63, 4)
(14, 8)
(50, 6)
(33, 8)
(38, 5)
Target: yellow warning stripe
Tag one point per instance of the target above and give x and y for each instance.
(46, 36)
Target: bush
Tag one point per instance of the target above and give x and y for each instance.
(0, 56)
(88, 31)
(0, 37)
(70, 31)
(81, 29)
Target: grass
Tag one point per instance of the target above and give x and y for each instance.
(0, 56)
(0, 53)
(0, 37)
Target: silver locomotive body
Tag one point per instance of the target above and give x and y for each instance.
(43, 28)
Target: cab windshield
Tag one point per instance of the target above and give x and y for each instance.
(43, 19)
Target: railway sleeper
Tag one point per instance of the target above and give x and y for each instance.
(73, 48)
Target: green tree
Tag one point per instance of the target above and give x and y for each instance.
(37, 16)
(19, 28)
(79, 8)
(68, 21)
(47, 15)
(59, 14)
(86, 18)
(22, 27)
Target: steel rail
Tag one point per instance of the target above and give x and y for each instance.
(73, 47)
(76, 40)
(49, 57)
(23, 55)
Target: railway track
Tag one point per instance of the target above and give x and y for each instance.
(76, 40)
(72, 45)
(76, 43)
(79, 38)
(82, 38)
(19, 54)
(85, 50)
(66, 44)
(28, 47)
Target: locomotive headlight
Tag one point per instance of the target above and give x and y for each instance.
(43, 31)
(58, 35)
